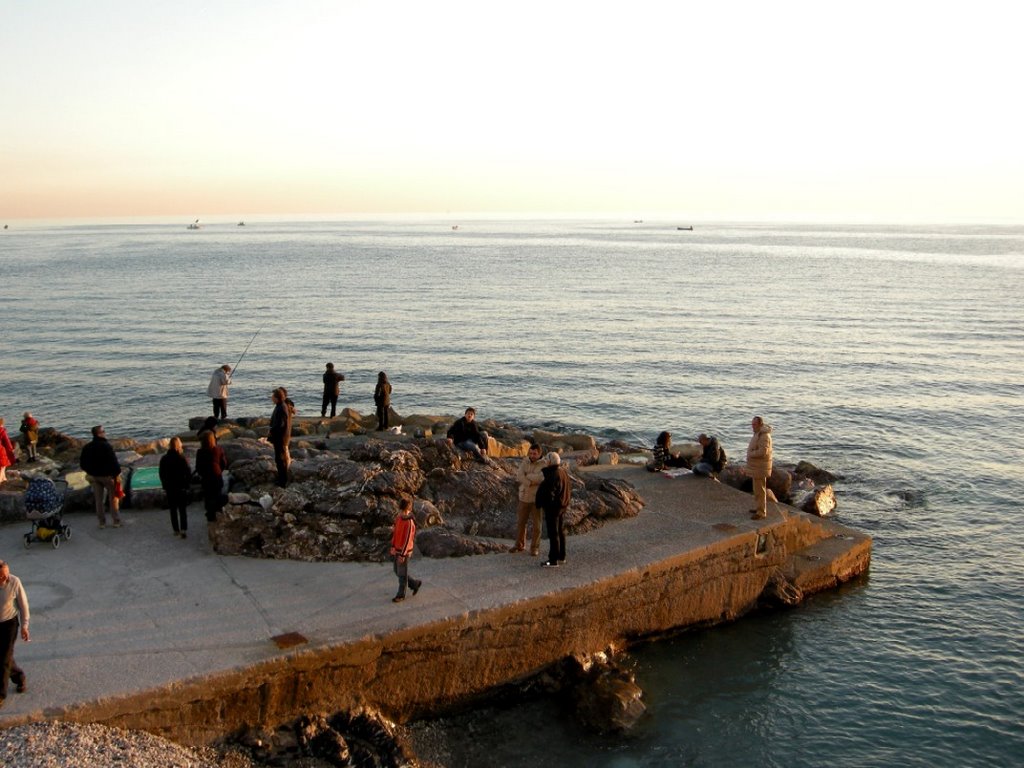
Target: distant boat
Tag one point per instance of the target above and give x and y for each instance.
(241, 223)
(638, 221)
(194, 225)
(455, 226)
(685, 229)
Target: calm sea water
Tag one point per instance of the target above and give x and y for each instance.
(893, 356)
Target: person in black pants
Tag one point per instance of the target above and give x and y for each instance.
(176, 479)
(332, 388)
(553, 496)
(210, 465)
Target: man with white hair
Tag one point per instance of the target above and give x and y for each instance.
(13, 611)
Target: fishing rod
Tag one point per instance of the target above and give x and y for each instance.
(247, 348)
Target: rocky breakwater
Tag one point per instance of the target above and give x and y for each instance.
(682, 552)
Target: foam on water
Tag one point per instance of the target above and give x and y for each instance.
(891, 356)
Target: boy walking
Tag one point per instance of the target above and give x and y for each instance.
(402, 541)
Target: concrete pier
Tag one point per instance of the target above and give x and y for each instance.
(135, 628)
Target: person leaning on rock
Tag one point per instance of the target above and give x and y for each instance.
(13, 611)
(102, 470)
(332, 388)
(218, 391)
(712, 458)
(529, 475)
(465, 434)
(759, 465)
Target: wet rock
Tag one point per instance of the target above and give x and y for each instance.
(606, 698)
(816, 500)
(780, 592)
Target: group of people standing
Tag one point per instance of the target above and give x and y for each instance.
(30, 436)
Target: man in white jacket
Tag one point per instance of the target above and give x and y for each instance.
(218, 391)
(759, 465)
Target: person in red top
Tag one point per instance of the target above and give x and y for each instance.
(6, 452)
(402, 542)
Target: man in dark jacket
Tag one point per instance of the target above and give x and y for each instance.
(465, 434)
(712, 458)
(332, 388)
(102, 469)
(553, 496)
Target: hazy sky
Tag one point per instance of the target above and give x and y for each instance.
(887, 110)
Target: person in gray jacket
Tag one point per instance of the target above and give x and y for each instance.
(218, 391)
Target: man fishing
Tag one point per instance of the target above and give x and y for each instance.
(218, 390)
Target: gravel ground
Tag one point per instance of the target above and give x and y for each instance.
(59, 744)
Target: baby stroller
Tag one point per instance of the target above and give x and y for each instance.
(44, 505)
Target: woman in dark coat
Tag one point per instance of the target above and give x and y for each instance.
(382, 399)
(281, 434)
(210, 465)
(176, 479)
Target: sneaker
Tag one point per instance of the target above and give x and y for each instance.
(117, 523)
(184, 535)
(515, 549)
(397, 598)
(549, 564)
(22, 687)
(416, 588)
(534, 552)
(102, 526)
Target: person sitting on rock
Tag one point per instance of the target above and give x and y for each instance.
(712, 458)
(465, 434)
(663, 455)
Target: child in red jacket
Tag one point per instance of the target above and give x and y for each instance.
(402, 542)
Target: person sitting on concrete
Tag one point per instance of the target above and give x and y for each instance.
(465, 434)
(712, 458)
(664, 458)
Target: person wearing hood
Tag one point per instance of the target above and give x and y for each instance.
(553, 496)
(759, 465)
(30, 429)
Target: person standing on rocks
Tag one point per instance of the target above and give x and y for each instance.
(465, 434)
(13, 611)
(332, 388)
(218, 391)
(30, 431)
(176, 479)
(529, 475)
(102, 470)
(281, 434)
(7, 456)
(759, 465)
(553, 496)
(382, 399)
(712, 459)
(210, 465)
(403, 539)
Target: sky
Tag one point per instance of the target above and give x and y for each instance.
(905, 111)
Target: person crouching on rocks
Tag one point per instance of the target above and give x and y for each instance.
(403, 539)
(553, 496)
(712, 457)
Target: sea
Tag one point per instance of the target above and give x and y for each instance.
(890, 355)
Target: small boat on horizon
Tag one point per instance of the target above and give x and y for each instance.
(685, 229)
(194, 225)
